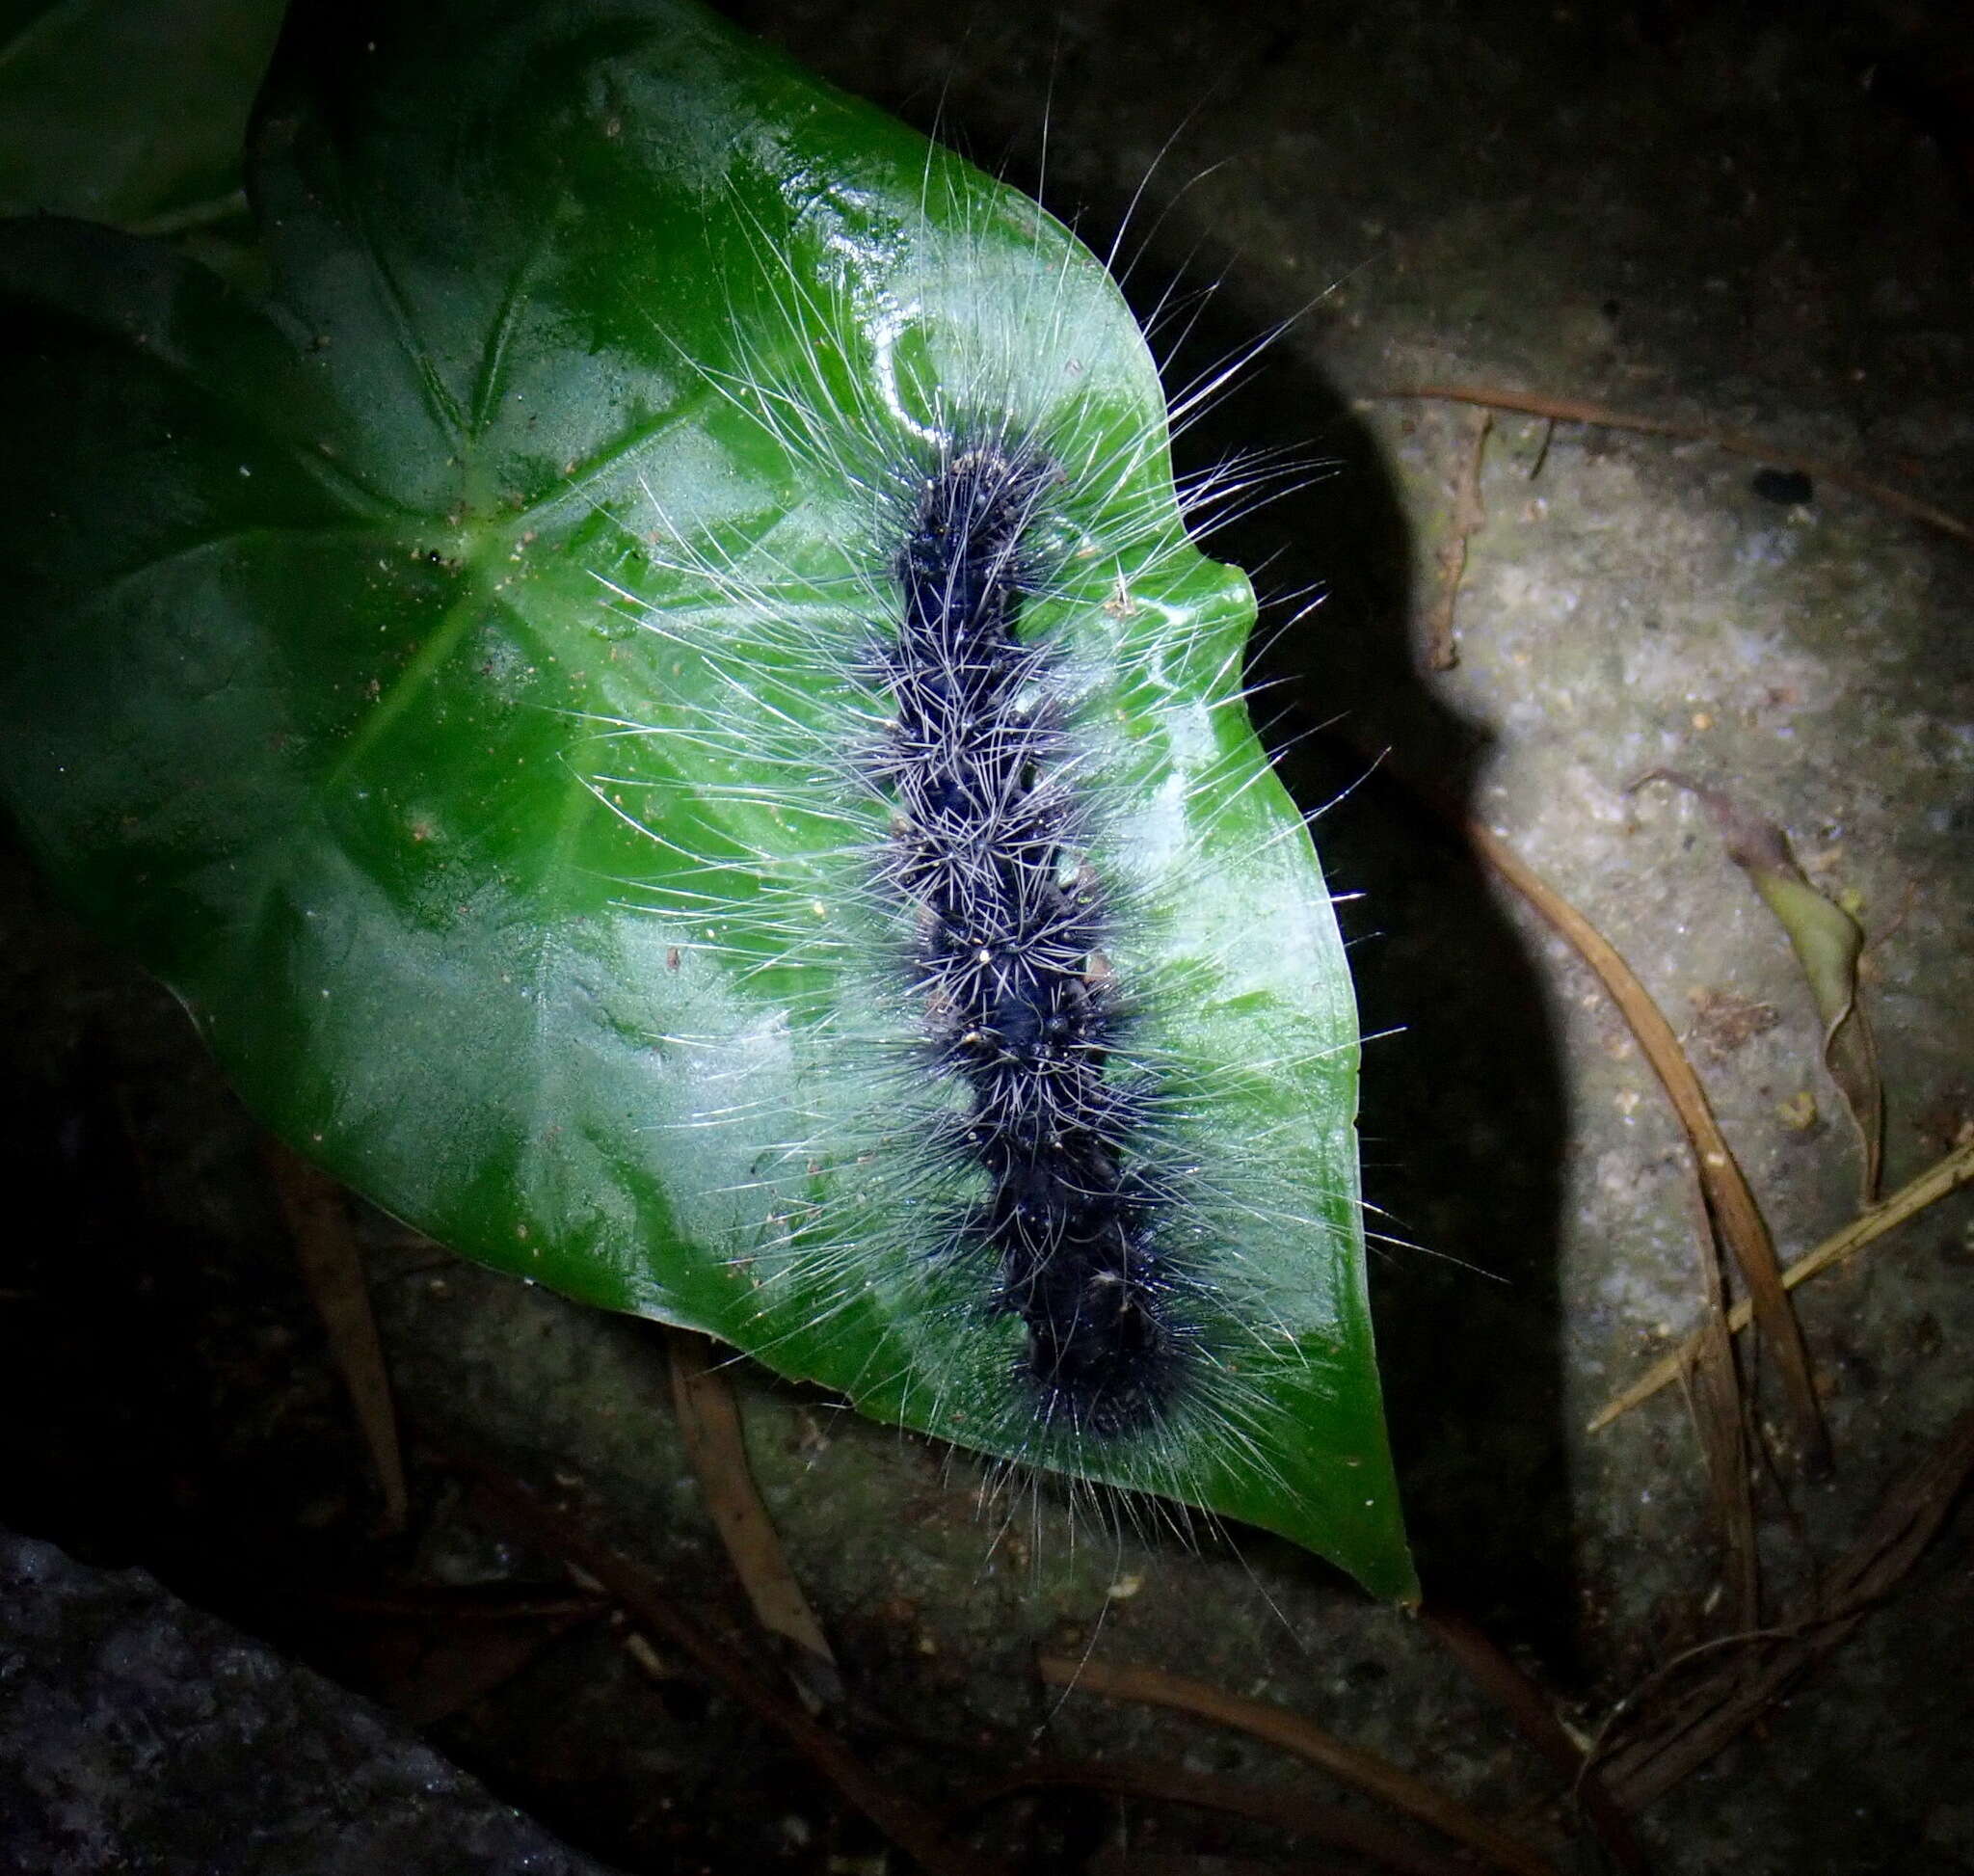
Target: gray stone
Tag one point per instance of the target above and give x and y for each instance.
(140, 1734)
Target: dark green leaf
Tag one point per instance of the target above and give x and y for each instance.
(409, 670)
(130, 111)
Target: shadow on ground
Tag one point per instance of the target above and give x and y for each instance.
(1462, 1111)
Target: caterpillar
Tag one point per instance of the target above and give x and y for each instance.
(1009, 957)
(1005, 979)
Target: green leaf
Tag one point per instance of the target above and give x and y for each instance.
(129, 111)
(415, 672)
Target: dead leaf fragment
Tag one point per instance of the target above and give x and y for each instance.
(1723, 1022)
(1828, 943)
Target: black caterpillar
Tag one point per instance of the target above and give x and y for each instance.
(1007, 961)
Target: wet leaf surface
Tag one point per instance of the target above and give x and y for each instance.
(314, 684)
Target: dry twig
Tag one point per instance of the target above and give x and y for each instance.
(1575, 410)
(1730, 1203)
(1685, 1734)
(1441, 653)
(710, 1419)
(1285, 1811)
(1293, 1734)
(1525, 1704)
(558, 1530)
(1944, 1177)
(1713, 1389)
(333, 1272)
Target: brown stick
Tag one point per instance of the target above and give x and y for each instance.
(710, 1419)
(911, 1828)
(1290, 1731)
(1576, 410)
(1496, 1675)
(1945, 1175)
(1729, 1201)
(1712, 1387)
(1736, 1695)
(331, 1269)
(1286, 1811)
